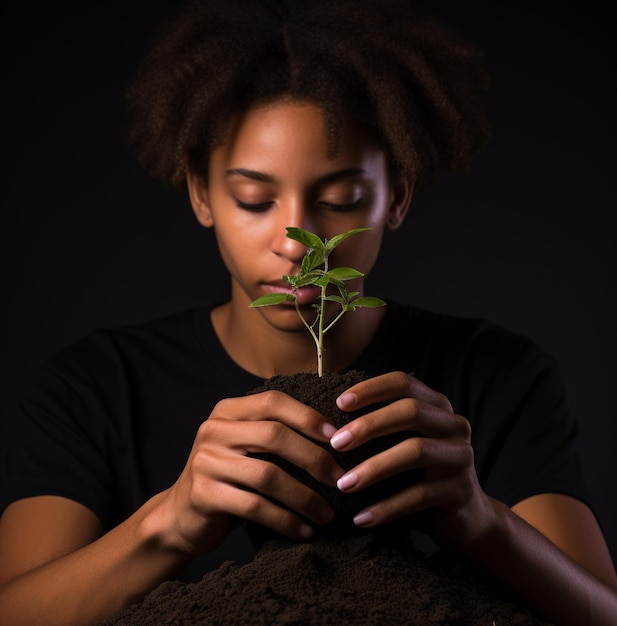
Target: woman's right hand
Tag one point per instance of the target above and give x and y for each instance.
(221, 482)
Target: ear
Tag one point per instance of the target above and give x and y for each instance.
(198, 195)
(401, 199)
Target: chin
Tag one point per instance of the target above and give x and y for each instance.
(286, 318)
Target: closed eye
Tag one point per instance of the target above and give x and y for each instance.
(342, 207)
(255, 208)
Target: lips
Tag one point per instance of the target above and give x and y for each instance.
(304, 295)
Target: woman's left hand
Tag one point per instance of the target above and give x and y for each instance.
(447, 502)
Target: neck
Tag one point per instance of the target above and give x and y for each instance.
(258, 347)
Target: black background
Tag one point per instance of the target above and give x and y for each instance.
(525, 239)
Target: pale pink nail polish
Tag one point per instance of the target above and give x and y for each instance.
(346, 401)
(348, 481)
(366, 517)
(341, 440)
(328, 429)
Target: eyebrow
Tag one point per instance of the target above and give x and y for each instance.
(263, 177)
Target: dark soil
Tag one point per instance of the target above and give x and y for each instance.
(344, 576)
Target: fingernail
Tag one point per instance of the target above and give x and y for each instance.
(348, 481)
(366, 517)
(346, 401)
(341, 440)
(305, 531)
(328, 429)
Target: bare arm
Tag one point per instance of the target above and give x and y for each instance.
(55, 563)
(545, 577)
(573, 528)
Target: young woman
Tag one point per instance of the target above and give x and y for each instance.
(132, 454)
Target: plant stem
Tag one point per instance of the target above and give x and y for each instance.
(322, 305)
(310, 329)
(334, 321)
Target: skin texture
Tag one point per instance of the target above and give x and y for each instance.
(53, 549)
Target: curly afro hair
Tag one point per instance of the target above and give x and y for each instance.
(408, 82)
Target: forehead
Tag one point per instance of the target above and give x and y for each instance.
(294, 131)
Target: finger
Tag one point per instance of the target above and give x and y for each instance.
(213, 466)
(276, 405)
(389, 387)
(405, 415)
(263, 477)
(447, 457)
(442, 493)
(254, 507)
(275, 438)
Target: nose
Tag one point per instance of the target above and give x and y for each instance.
(291, 214)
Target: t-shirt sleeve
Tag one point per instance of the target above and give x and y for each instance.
(59, 444)
(524, 434)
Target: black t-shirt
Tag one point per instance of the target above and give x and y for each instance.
(110, 420)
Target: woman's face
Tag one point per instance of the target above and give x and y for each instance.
(274, 170)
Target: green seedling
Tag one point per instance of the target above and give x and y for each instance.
(315, 271)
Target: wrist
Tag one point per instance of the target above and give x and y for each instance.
(484, 531)
(158, 529)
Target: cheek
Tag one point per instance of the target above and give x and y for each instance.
(360, 254)
(234, 245)
(369, 253)
(380, 210)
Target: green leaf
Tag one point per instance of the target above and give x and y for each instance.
(310, 240)
(344, 273)
(369, 302)
(272, 298)
(337, 239)
(338, 299)
(310, 279)
(311, 260)
(342, 287)
(340, 284)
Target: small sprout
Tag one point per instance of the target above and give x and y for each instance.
(316, 271)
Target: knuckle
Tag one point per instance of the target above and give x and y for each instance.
(252, 505)
(265, 475)
(468, 456)
(410, 406)
(464, 491)
(265, 403)
(272, 399)
(321, 459)
(221, 408)
(205, 428)
(307, 500)
(200, 460)
(402, 379)
(463, 426)
(400, 382)
(423, 497)
(274, 433)
(442, 401)
(417, 449)
(198, 486)
(211, 431)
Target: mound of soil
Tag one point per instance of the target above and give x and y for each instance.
(344, 576)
